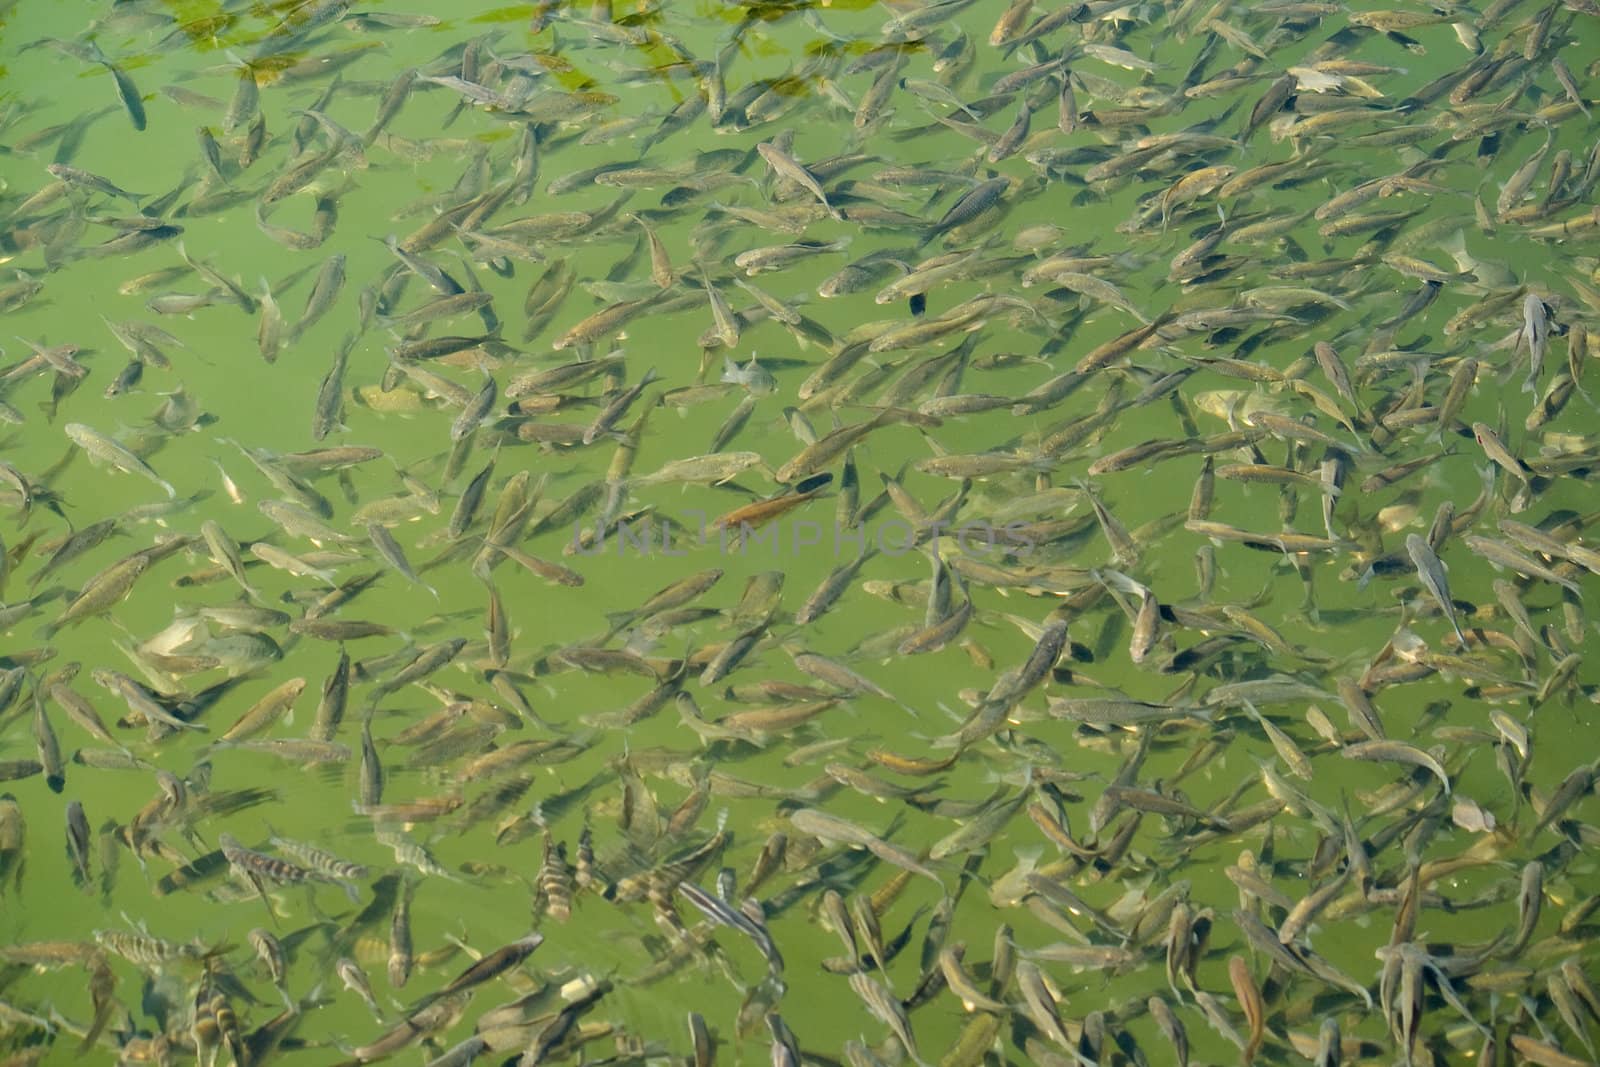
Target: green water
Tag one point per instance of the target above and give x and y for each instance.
(430, 158)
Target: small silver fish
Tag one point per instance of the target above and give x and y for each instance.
(752, 375)
(355, 980)
(1535, 333)
(1431, 570)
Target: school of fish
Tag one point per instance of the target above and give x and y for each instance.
(1078, 348)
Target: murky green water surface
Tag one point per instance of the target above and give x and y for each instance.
(1220, 190)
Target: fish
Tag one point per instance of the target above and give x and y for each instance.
(619, 405)
(555, 880)
(886, 1007)
(77, 177)
(787, 167)
(714, 469)
(395, 556)
(78, 844)
(276, 705)
(1535, 335)
(320, 861)
(1112, 711)
(110, 452)
(13, 841)
(970, 205)
(490, 966)
(752, 375)
(402, 958)
(1432, 573)
(270, 951)
(260, 867)
(829, 827)
(356, 981)
(1250, 999)
(758, 513)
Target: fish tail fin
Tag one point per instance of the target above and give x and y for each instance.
(221, 948)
